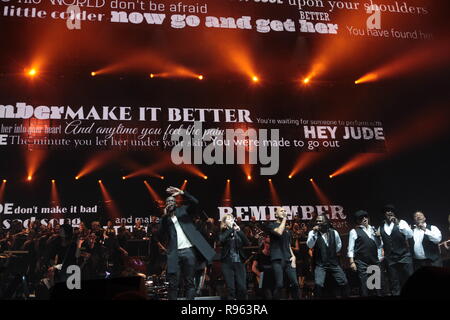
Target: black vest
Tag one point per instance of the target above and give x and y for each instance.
(395, 246)
(430, 248)
(324, 254)
(366, 249)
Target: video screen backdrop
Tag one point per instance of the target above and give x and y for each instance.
(313, 105)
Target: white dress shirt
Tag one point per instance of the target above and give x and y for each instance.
(434, 235)
(403, 227)
(313, 236)
(370, 231)
(182, 241)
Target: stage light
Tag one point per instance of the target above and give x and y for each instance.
(123, 178)
(228, 180)
(255, 79)
(53, 181)
(249, 177)
(367, 78)
(205, 177)
(323, 199)
(331, 176)
(77, 177)
(110, 205)
(290, 177)
(29, 178)
(153, 193)
(93, 73)
(152, 75)
(162, 178)
(200, 77)
(4, 180)
(275, 198)
(31, 72)
(311, 179)
(306, 80)
(185, 181)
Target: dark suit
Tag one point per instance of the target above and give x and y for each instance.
(184, 260)
(232, 257)
(280, 255)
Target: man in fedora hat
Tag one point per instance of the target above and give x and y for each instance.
(364, 249)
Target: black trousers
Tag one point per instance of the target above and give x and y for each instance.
(320, 274)
(398, 273)
(235, 277)
(419, 263)
(361, 268)
(281, 267)
(186, 270)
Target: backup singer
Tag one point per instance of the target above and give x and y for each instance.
(364, 249)
(425, 243)
(232, 257)
(281, 255)
(326, 243)
(184, 243)
(395, 234)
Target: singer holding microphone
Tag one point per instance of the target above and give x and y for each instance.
(326, 243)
(186, 247)
(396, 234)
(281, 255)
(232, 257)
(364, 249)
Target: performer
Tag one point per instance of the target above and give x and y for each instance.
(281, 255)
(262, 268)
(425, 243)
(364, 249)
(232, 257)
(184, 242)
(395, 234)
(326, 243)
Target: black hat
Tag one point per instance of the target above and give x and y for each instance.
(389, 207)
(360, 213)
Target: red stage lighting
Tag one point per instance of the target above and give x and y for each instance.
(226, 199)
(319, 193)
(205, 177)
(152, 192)
(93, 73)
(54, 201)
(274, 194)
(249, 177)
(367, 78)
(255, 79)
(29, 178)
(200, 77)
(110, 205)
(2, 190)
(32, 72)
